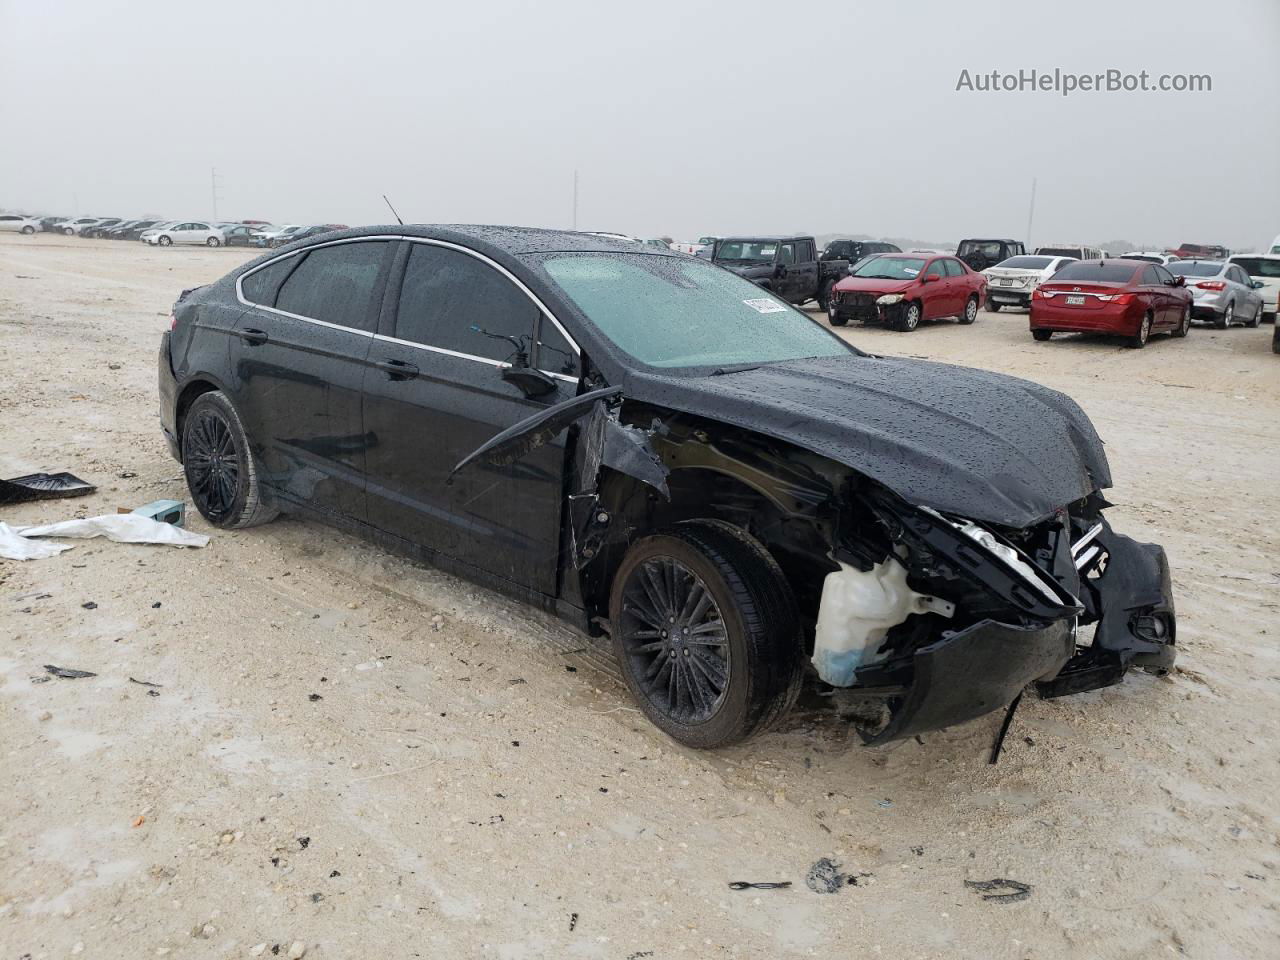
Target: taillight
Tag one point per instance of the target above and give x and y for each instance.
(1039, 294)
(173, 320)
(1120, 298)
(1211, 285)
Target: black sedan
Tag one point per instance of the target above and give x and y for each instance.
(659, 451)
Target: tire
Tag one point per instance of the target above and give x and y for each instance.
(731, 581)
(910, 318)
(970, 311)
(164, 241)
(1184, 324)
(1224, 321)
(1257, 318)
(1042, 335)
(824, 294)
(1139, 340)
(68, 231)
(993, 307)
(28, 230)
(221, 471)
(213, 242)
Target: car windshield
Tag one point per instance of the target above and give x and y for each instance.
(1144, 257)
(889, 268)
(1096, 271)
(1259, 266)
(756, 251)
(1024, 263)
(683, 312)
(1195, 268)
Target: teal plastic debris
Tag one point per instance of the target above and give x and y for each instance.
(166, 511)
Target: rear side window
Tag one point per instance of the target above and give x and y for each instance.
(1095, 271)
(454, 301)
(336, 284)
(261, 286)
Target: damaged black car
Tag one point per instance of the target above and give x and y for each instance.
(659, 451)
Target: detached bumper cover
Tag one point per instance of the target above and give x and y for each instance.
(973, 672)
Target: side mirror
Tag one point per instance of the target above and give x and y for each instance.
(533, 383)
(1257, 284)
(929, 278)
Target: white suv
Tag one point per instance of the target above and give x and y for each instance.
(1263, 268)
(184, 231)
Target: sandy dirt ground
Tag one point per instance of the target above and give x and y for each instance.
(358, 757)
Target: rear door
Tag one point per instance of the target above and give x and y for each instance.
(806, 271)
(786, 283)
(434, 392)
(298, 360)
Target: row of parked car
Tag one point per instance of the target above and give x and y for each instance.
(164, 233)
(1067, 288)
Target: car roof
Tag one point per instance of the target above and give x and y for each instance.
(767, 238)
(508, 239)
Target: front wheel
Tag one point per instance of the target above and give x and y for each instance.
(213, 242)
(1139, 340)
(221, 470)
(1042, 335)
(1184, 324)
(68, 231)
(910, 318)
(164, 241)
(1257, 317)
(28, 230)
(970, 311)
(993, 307)
(706, 633)
(824, 294)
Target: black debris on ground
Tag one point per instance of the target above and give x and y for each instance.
(573, 921)
(1018, 890)
(90, 605)
(304, 842)
(760, 885)
(68, 674)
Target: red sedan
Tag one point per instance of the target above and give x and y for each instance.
(902, 289)
(1128, 298)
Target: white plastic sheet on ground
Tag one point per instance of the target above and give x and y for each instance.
(16, 543)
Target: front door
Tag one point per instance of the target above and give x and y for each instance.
(934, 292)
(434, 392)
(298, 356)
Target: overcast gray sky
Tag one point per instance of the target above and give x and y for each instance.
(683, 118)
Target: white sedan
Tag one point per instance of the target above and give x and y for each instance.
(72, 227)
(184, 231)
(1011, 282)
(19, 224)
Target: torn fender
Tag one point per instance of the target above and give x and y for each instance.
(522, 438)
(609, 442)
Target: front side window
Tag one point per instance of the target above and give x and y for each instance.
(680, 312)
(1149, 277)
(555, 355)
(1163, 275)
(750, 251)
(454, 301)
(935, 269)
(788, 254)
(953, 268)
(336, 284)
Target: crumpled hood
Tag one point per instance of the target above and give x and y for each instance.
(872, 285)
(982, 445)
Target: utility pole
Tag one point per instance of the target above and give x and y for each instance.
(575, 199)
(1031, 212)
(213, 190)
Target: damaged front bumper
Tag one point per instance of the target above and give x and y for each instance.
(947, 674)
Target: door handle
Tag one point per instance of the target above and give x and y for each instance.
(397, 369)
(255, 338)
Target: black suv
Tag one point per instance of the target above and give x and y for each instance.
(855, 250)
(980, 254)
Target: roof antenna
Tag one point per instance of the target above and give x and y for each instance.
(393, 211)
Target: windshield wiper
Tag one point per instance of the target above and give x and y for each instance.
(721, 371)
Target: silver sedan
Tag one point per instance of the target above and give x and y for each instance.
(1222, 292)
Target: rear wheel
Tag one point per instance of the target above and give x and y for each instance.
(1224, 321)
(68, 231)
(213, 242)
(164, 241)
(706, 633)
(1042, 335)
(221, 470)
(28, 230)
(1139, 340)
(910, 318)
(970, 310)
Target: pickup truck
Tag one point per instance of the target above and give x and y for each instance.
(786, 266)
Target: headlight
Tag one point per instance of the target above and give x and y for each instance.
(889, 299)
